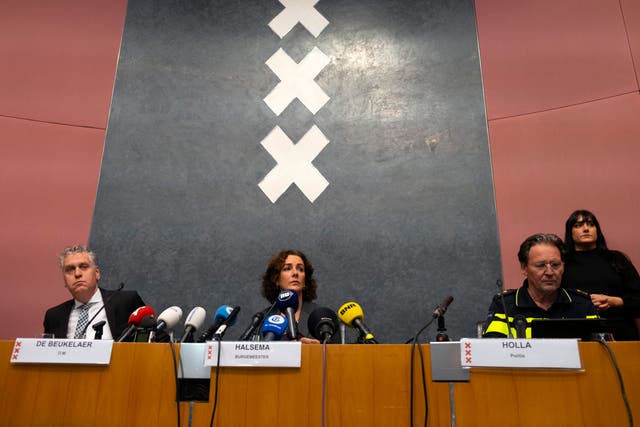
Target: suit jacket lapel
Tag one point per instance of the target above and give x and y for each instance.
(109, 310)
(63, 325)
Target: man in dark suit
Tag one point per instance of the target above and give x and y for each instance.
(90, 303)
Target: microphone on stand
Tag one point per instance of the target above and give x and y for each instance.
(134, 321)
(256, 320)
(194, 321)
(323, 324)
(168, 320)
(351, 314)
(287, 302)
(221, 313)
(230, 320)
(274, 328)
(438, 314)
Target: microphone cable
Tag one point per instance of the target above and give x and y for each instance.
(324, 378)
(437, 314)
(414, 342)
(176, 363)
(215, 399)
(623, 392)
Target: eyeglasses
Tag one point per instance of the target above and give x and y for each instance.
(543, 265)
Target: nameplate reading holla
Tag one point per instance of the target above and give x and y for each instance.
(520, 353)
(82, 352)
(254, 354)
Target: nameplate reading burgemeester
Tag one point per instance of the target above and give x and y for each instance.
(254, 354)
(520, 353)
(82, 352)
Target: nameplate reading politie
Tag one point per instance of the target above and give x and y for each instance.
(520, 353)
(254, 354)
(61, 351)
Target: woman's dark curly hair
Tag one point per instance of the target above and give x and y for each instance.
(270, 277)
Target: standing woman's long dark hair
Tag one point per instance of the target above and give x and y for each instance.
(618, 260)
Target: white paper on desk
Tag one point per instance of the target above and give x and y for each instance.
(520, 353)
(254, 354)
(63, 351)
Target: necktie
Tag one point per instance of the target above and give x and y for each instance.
(83, 320)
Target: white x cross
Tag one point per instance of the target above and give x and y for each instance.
(294, 164)
(297, 81)
(301, 11)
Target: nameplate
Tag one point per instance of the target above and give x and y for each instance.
(82, 352)
(520, 353)
(254, 354)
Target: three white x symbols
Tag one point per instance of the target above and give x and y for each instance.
(297, 80)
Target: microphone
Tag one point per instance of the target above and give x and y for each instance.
(442, 308)
(84, 331)
(438, 313)
(256, 320)
(230, 320)
(221, 313)
(144, 331)
(287, 303)
(194, 321)
(322, 323)
(169, 318)
(352, 315)
(134, 320)
(274, 327)
(98, 329)
(521, 326)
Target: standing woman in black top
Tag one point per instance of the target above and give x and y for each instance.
(608, 275)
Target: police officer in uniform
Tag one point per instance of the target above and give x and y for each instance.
(541, 259)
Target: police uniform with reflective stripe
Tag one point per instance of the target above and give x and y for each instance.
(571, 303)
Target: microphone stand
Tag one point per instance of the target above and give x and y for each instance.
(84, 332)
(363, 340)
(504, 308)
(256, 336)
(98, 329)
(442, 336)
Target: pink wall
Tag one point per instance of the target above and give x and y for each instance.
(56, 80)
(563, 107)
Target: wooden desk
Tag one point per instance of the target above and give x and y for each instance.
(367, 385)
